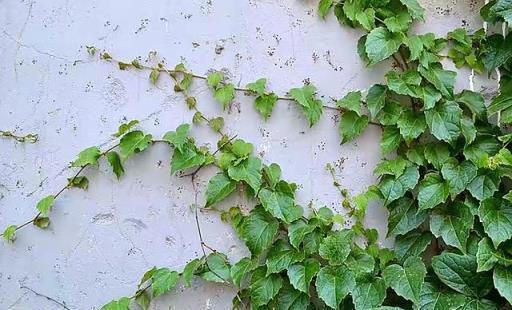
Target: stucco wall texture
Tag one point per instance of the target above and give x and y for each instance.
(102, 240)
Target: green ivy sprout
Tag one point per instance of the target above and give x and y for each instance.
(444, 179)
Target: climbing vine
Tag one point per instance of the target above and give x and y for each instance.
(444, 178)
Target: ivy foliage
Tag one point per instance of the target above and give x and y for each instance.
(444, 178)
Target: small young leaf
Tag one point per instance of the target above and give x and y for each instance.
(45, 205)
(78, 182)
(216, 268)
(224, 94)
(89, 156)
(351, 102)
(216, 124)
(162, 281)
(124, 128)
(42, 222)
(179, 137)
(215, 78)
(258, 87)
(121, 304)
(352, 125)
(134, 142)
(311, 106)
(153, 76)
(190, 269)
(324, 6)
(9, 233)
(115, 162)
(264, 104)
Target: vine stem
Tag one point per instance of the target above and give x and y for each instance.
(63, 189)
(172, 72)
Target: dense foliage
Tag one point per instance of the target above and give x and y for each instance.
(445, 179)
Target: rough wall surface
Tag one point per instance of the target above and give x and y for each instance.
(102, 240)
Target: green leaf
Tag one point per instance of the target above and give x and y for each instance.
(497, 51)
(311, 106)
(224, 94)
(241, 269)
(115, 162)
(352, 125)
(411, 244)
(478, 304)
(376, 98)
(474, 102)
(416, 154)
(336, 247)
(214, 79)
(351, 102)
(432, 298)
(134, 142)
(484, 184)
(369, 293)
(406, 281)
(407, 83)
(281, 205)
(482, 147)
(381, 43)
(458, 176)
(437, 154)
(89, 156)
(264, 288)
(502, 277)
(258, 87)
(264, 104)
(390, 114)
(162, 281)
(392, 188)
(216, 268)
(124, 128)
(443, 121)
(143, 299)
(503, 8)
(78, 182)
(390, 139)
(42, 222)
(249, 171)
(324, 6)
(398, 23)
(414, 8)
(333, 284)
(290, 299)
(459, 273)
(366, 18)
(301, 274)
(178, 138)
(121, 304)
(443, 80)
(496, 217)
(189, 158)
(453, 223)
(258, 230)
(432, 191)
(394, 167)
(411, 126)
(219, 187)
(468, 129)
(45, 205)
(272, 175)
(404, 216)
(9, 233)
(190, 269)
(486, 256)
(281, 255)
(297, 231)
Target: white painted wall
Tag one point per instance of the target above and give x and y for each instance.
(102, 240)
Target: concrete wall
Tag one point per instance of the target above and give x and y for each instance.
(102, 240)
